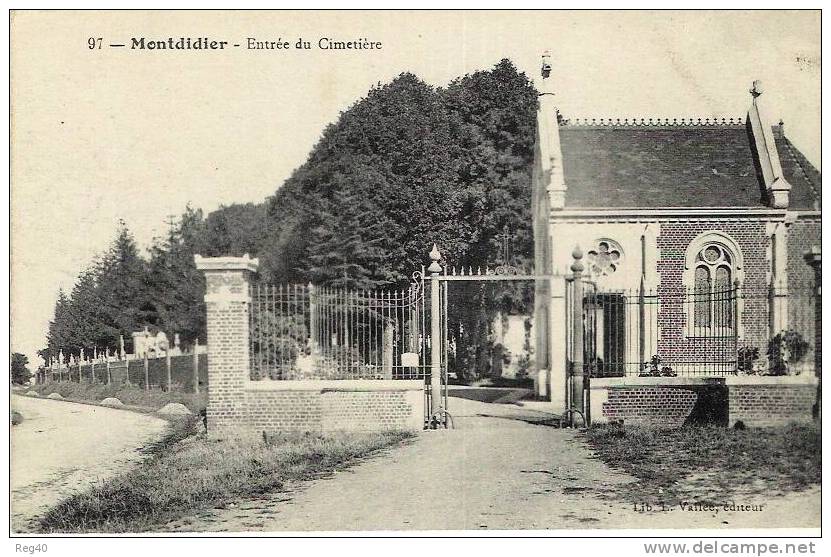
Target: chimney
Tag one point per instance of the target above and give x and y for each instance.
(777, 188)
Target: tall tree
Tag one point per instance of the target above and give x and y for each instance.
(123, 290)
(20, 373)
(235, 230)
(393, 156)
(60, 329)
(346, 250)
(497, 109)
(406, 166)
(177, 286)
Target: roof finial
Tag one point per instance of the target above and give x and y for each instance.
(546, 64)
(757, 90)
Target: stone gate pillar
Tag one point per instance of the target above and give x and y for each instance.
(227, 302)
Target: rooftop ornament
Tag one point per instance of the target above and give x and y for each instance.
(545, 70)
(757, 89)
(653, 122)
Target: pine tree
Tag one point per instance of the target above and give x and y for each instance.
(60, 330)
(177, 286)
(85, 313)
(345, 251)
(122, 285)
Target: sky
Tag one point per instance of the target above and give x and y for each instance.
(110, 134)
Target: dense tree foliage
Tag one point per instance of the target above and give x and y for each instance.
(177, 286)
(20, 373)
(407, 166)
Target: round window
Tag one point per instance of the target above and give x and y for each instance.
(605, 257)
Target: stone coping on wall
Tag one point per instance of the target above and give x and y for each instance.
(332, 385)
(804, 379)
(244, 263)
(634, 381)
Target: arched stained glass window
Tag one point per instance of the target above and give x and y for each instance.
(714, 292)
(701, 294)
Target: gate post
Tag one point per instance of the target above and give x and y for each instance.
(435, 331)
(577, 374)
(227, 303)
(815, 260)
(312, 319)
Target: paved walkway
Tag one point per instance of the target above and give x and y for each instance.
(63, 447)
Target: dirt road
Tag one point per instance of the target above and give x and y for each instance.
(62, 447)
(494, 471)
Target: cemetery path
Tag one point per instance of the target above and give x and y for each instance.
(496, 470)
(63, 447)
(493, 471)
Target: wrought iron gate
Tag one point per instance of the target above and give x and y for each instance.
(440, 276)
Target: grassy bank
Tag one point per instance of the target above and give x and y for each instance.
(710, 463)
(187, 473)
(128, 394)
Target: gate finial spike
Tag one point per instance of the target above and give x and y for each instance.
(435, 254)
(577, 266)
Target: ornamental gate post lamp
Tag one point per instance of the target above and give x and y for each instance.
(435, 270)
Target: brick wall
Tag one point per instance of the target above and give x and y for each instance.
(664, 406)
(326, 406)
(758, 401)
(371, 410)
(803, 304)
(673, 344)
(284, 411)
(802, 235)
(771, 405)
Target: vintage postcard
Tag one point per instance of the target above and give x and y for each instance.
(401, 272)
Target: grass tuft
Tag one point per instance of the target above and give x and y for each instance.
(189, 472)
(710, 462)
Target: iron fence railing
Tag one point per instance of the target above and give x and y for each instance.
(694, 331)
(184, 372)
(316, 332)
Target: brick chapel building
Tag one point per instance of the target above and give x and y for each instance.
(696, 238)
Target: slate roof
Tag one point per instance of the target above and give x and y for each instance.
(675, 165)
(805, 180)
